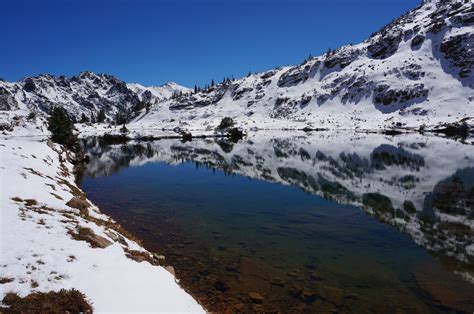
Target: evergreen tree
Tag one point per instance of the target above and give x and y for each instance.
(139, 106)
(212, 83)
(61, 128)
(101, 117)
(120, 118)
(84, 119)
(195, 89)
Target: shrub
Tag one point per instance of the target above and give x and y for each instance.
(226, 122)
(235, 135)
(186, 137)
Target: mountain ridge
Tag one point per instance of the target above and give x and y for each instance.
(414, 72)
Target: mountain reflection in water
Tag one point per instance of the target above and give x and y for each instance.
(424, 186)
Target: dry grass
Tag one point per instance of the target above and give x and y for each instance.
(140, 256)
(73, 189)
(86, 234)
(33, 171)
(4, 280)
(30, 202)
(64, 301)
(57, 196)
(115, 226)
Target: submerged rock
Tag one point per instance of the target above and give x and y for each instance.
(255, 297)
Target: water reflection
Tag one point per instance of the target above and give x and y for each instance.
(424, 186)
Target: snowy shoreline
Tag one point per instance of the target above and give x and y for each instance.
(47, 245)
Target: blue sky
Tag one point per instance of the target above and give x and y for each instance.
(190, 42)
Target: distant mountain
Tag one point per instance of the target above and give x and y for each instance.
(417, 70)
(155, 94)
(88, 94)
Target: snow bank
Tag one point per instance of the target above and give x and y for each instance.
(39, 253)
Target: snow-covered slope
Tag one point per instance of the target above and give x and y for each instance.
(417, 70)
(48, 242)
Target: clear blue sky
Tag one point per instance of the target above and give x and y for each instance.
(190, 42)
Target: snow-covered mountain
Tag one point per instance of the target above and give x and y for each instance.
(417, 70)
(86, 94)
(156, 94)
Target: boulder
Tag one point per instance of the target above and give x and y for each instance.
(171, 270)
(80, 204)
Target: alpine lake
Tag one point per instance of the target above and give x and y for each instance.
(279, 222)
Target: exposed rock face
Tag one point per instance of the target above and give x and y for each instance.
(385, 95)
(385, 45)
(299, 74)
(342, 58)
(459, 50)
(417, 41)
(7, 101)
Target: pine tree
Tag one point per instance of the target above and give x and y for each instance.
(61, 128)
(120, 118)
(139, 106)
(84, 119)
(212, 83)
(101, 116)
(195, 89)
